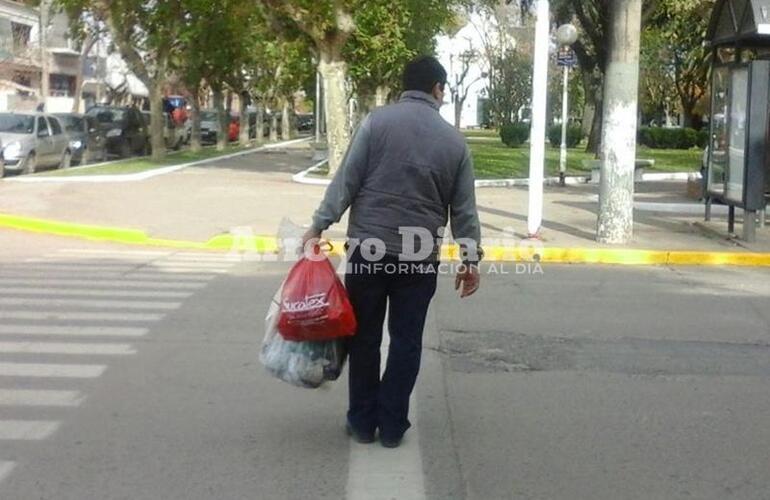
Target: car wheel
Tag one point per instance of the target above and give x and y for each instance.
(66, 160)
(30, 164)
(2, 168)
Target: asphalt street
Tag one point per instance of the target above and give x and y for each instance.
(128, 373)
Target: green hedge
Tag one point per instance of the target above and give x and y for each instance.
(515, 134)
(672, 138)
(574, 136)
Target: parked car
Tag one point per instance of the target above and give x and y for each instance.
(33, 140)
(87, 141)
(209, 126)
(173, 135)
(124, 128)
(305, 122)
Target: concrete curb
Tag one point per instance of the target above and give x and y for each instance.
(148, 174)
(523, 253)
(302, 177)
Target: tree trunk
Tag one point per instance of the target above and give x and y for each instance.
(45, 63)
(595, 136)
(195, 116)
(273, 126)
(616, 191)
(260, 125)
(688, 120)
(381, 95)
(589, 110)
(286, 128)
(88, 44)
(224, 123)
(243, 132)
(458, 112)
(334, 75)
(157, 123)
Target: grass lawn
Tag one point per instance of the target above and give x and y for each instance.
(494, 160)
(135, 165)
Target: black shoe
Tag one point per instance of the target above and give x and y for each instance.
(390, 443)
(359, 437)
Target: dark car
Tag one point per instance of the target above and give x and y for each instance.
(124, 129)
(305, 122)
(87, 140)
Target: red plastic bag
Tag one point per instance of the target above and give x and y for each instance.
(314, 303)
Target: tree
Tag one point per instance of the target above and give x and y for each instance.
(146, 35)
(329, 24)
(678, 28)
(332, 25)
(594, 22)
(616, 192)
(458, 86)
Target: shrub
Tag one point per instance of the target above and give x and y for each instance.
(703, 138)
(574, 136)
(670, 138)
(514, 134)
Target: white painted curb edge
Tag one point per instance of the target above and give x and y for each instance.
(302, 178)
(140, 176)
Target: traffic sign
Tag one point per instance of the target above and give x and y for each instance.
(566, 58)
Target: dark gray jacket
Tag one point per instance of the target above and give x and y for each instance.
(406, 167)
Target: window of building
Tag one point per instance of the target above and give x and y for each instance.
(62, 85)
(23, 80)
(21, 36)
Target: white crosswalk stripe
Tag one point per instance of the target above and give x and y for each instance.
(50, 370)
(77, 331)
(83, 292)
(80, 316)
(71, 275)
(101, 283)
(60, 312)
(35, 397)
(72, 348)
(105, 304)
(27, 430)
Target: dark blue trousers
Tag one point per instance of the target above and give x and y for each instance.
(383, 402)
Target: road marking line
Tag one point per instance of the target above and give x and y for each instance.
(27, 430)
(34, 397)
(89, 331)
(106, 293)
(103, 283)
(66, 348)
(69, 275)
(106, 304)
(51, 370)
(80, 316)
(5, 469)
(377, 473)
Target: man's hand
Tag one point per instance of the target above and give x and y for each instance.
(469, 278)
(310, 235)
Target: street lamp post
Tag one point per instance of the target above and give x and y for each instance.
(566, 35)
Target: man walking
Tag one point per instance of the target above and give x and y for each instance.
(406, 173)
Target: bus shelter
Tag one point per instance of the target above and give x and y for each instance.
(738, 166)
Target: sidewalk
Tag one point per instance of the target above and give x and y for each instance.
(255, 191)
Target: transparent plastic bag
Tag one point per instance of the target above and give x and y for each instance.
(303, 364)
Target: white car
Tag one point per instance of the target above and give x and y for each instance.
(31, 141)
